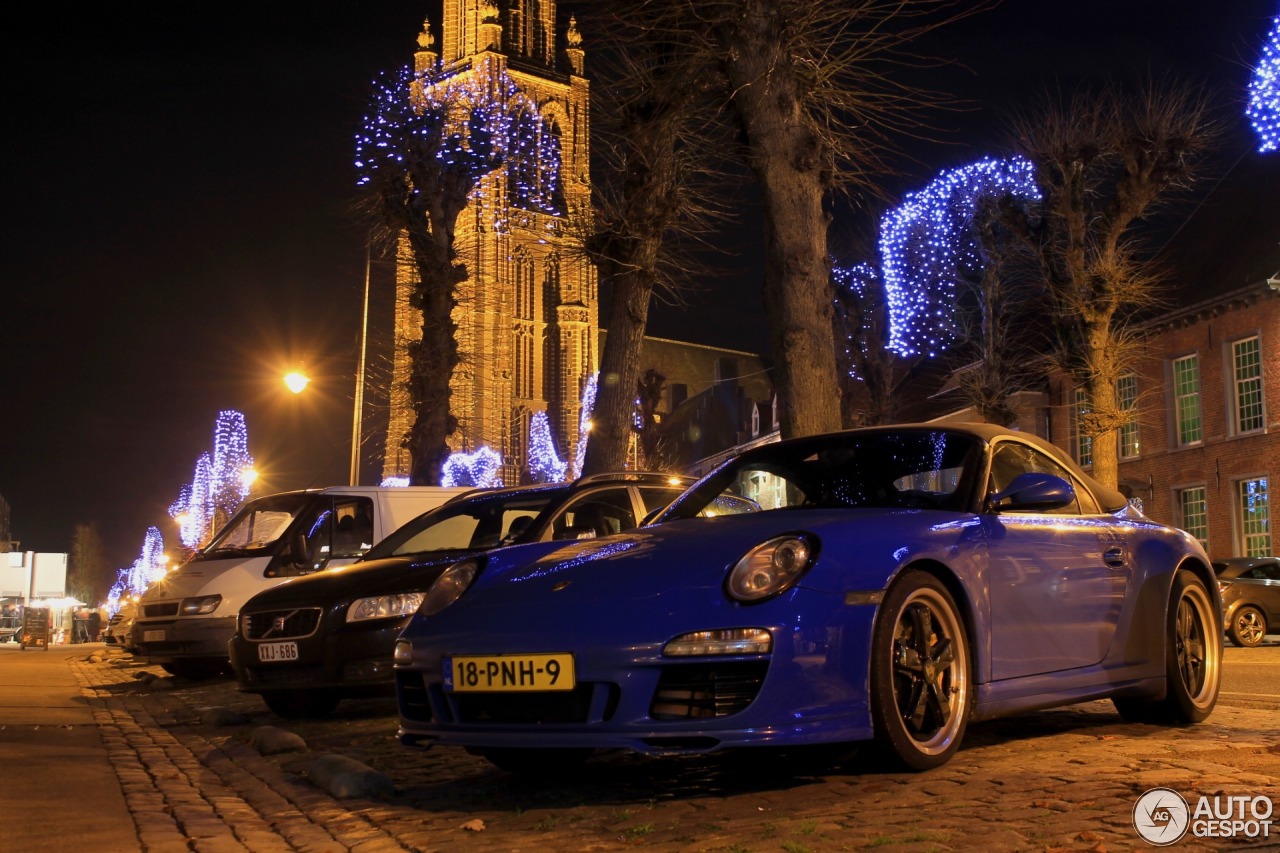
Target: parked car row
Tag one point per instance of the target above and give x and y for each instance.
(886, 585)
(1250, 588)
(308, 643)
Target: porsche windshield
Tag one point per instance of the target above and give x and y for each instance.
(921, 469)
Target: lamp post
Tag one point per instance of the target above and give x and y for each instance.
(359, 403)
(297, 381)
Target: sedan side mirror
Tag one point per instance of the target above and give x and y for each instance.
(1033, 490)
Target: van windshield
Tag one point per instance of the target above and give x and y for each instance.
(257, 527)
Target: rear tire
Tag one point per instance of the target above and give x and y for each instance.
(1248, 627)
(921, 673)
(301, 704)
(1193, 659)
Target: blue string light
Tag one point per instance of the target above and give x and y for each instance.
(584, 423)
(1264, 93)
(545, 465)
(475, 122)
(482, 469)
(927, 242)
(218, 486)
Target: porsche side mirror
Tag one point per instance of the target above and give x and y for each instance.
(1033, 490)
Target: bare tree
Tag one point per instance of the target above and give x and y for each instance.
(652, 199)
(1105, 162)
(1000, 343)
(89, 575)
(817, 105)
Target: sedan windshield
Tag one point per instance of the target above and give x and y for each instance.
(919, 468)
(474, 524)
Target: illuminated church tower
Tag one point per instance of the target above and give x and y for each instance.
(527, 314)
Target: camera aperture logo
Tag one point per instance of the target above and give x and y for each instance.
(1162, 816)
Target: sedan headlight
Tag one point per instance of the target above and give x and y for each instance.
(450, 586)
(385, 606)
(201, 605)
(770, 568)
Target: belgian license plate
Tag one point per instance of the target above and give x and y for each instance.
(492, 673)
(153, 636)
(268, 652)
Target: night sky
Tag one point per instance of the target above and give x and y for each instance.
(178, 196)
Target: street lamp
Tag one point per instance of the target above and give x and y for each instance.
(296, 381)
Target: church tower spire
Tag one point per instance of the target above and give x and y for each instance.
(521, 29)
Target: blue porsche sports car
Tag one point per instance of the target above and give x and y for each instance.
(895, 584)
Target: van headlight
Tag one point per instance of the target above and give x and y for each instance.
(385, 606)
(200, 605)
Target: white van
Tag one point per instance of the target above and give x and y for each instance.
(185, 620)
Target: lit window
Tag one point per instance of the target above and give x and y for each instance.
(1194, 513)
(1127, 398)
(1255, 517)
(1084, 443)
(1246, 360)
(1186, 396)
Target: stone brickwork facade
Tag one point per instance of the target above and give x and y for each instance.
(528, 313)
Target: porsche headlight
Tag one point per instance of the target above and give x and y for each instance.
(201, 605)
(771, 567)
(385, 606)
(450, 586)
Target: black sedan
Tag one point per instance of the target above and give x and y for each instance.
(1250, 597)
(308, 643)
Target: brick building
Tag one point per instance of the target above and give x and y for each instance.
(1203, 450)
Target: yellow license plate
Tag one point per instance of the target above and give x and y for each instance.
(493, 673)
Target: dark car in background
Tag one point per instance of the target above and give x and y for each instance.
(1250, 588)
(310, 642)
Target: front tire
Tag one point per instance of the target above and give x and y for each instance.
(1193, 659)
(1248, 627)
(921, 673)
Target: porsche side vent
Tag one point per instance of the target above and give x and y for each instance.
(693, 691)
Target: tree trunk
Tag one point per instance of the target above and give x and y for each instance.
(432, 359)
(614, 414)
(794, 169)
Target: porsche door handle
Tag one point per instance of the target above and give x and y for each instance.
(1114, 557)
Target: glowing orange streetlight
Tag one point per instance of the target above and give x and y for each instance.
(296, 381)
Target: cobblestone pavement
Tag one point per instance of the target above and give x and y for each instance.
(1062, 780)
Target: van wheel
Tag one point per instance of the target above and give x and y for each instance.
(301, 704)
